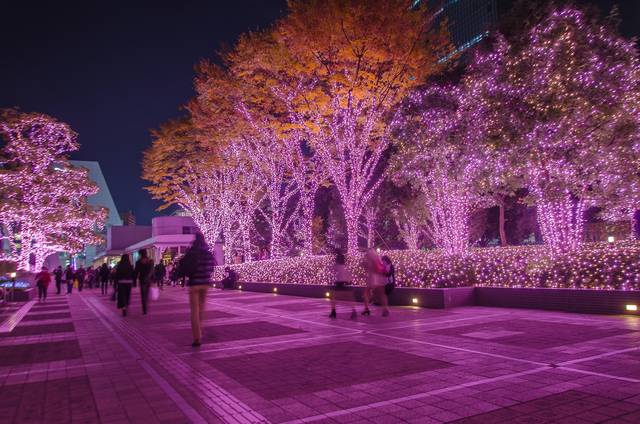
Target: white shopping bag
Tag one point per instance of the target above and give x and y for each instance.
(154, 293)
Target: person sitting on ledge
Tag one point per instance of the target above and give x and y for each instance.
(230, 280)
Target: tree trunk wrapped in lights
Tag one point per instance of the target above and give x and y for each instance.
(442, 156)
(272, 160)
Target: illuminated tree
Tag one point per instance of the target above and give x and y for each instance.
(43, 198)
(370, 221)
(564, 102)
(272, 159)
(411, 217)
(338, 69)
(443, 157)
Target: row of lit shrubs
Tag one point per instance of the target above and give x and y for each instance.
(594, 266)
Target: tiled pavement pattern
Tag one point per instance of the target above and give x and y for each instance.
(272, 358)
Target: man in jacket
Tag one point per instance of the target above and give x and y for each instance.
(58, 273)
(197, 264)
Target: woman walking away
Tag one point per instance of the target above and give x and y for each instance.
(143, 274)
(68, 277)
(341, 291)
(197, 264)
(376, 280)
(42, 281)
(124, 281)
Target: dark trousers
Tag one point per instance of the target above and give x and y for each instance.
(58, 286)
(42, 292)
(104, 286)
(124, 294)
(144, 295)
(69, 286)
(80, 284)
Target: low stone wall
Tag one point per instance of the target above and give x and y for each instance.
(567, 300)
(428, 297)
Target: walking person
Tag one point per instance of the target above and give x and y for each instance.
(159, 273)
(143, 273)
(103, 274)
(42, 281)
(341, 291)
(114, 283)
(68, 278)
(197, 264)
(80, 276)
(124, 281)
(58, 273)
(91, 277)
(376, 280)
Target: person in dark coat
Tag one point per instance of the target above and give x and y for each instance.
(159, 273)
(80, 276)
(68, 277)
(230, 280)
(124, 281)
(197, 264)
(103, 273)
(58, 273)
(142, 274)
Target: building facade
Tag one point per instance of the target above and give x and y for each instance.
(469, 21)
(102, 199)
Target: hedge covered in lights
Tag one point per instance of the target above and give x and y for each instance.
(594, 266)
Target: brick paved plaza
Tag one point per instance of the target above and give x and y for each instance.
(279, 359)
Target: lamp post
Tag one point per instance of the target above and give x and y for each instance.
(13, 285)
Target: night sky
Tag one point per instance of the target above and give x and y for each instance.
(113, 71)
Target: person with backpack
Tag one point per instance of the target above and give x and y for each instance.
(376, 280)
(123, 282)
(342, 280)
(143, 273)
(197, 264)
(390, 274)
(58, 274)
(42, 281)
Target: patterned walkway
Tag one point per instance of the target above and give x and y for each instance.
(279, 359)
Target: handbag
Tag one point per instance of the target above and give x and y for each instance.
(154, 292)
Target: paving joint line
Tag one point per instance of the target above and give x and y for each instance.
(353, 331)
(14, 319)
(599, 374)
(219, 401)
(260, 345)
(602, 355)
(461, 349)
(180, 402)
(384, 403)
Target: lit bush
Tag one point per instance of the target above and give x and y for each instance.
(594, 266)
